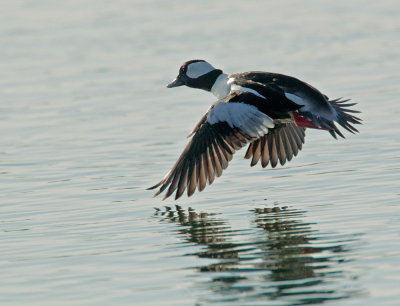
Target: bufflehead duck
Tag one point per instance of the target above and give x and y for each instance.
(268, 111)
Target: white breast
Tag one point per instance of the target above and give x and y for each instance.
(221, 88)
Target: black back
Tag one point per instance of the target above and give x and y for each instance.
(275, 104)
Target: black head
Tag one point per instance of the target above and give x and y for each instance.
(196, 74)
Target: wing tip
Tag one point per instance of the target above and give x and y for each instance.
(153, 187)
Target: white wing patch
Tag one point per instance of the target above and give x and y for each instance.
(223, 85)
(241, 88)
(194, 70)
(241, 115)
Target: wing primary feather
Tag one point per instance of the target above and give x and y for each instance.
(182, 182)
(230, 149)
(220, 156)
(292, 141)
(216, 162)
(272, 150)
(297, 137)
(166, 181)
(256, 153)
(166, 177)
(264, 152)
(173, 186)
(236, 143)
(201, 174)
(243, 140)
(236, 140)
(155, 186)
(248, 154)
(281, 148)
(245, 136)
(288, 146)
(192, 180)
(224, 149)
(210, 167)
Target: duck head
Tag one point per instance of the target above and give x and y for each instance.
(196, 74)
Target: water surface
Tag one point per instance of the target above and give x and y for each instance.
(87, 124)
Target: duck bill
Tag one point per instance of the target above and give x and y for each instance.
(175, 83)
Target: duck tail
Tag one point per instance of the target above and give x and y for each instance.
(344, 116)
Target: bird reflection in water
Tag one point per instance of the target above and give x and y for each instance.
(205, 229)
(280, 258)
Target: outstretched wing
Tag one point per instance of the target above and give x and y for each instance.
(281, 143)
(225, 128)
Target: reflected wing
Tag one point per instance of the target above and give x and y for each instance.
(281, 143)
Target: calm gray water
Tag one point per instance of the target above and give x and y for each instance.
(87, 124)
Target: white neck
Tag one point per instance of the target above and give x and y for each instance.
(221, 88)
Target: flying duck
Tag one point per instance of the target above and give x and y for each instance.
(268, 111)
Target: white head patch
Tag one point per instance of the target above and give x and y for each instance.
(196, 69)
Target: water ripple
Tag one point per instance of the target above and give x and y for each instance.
(279, 256)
